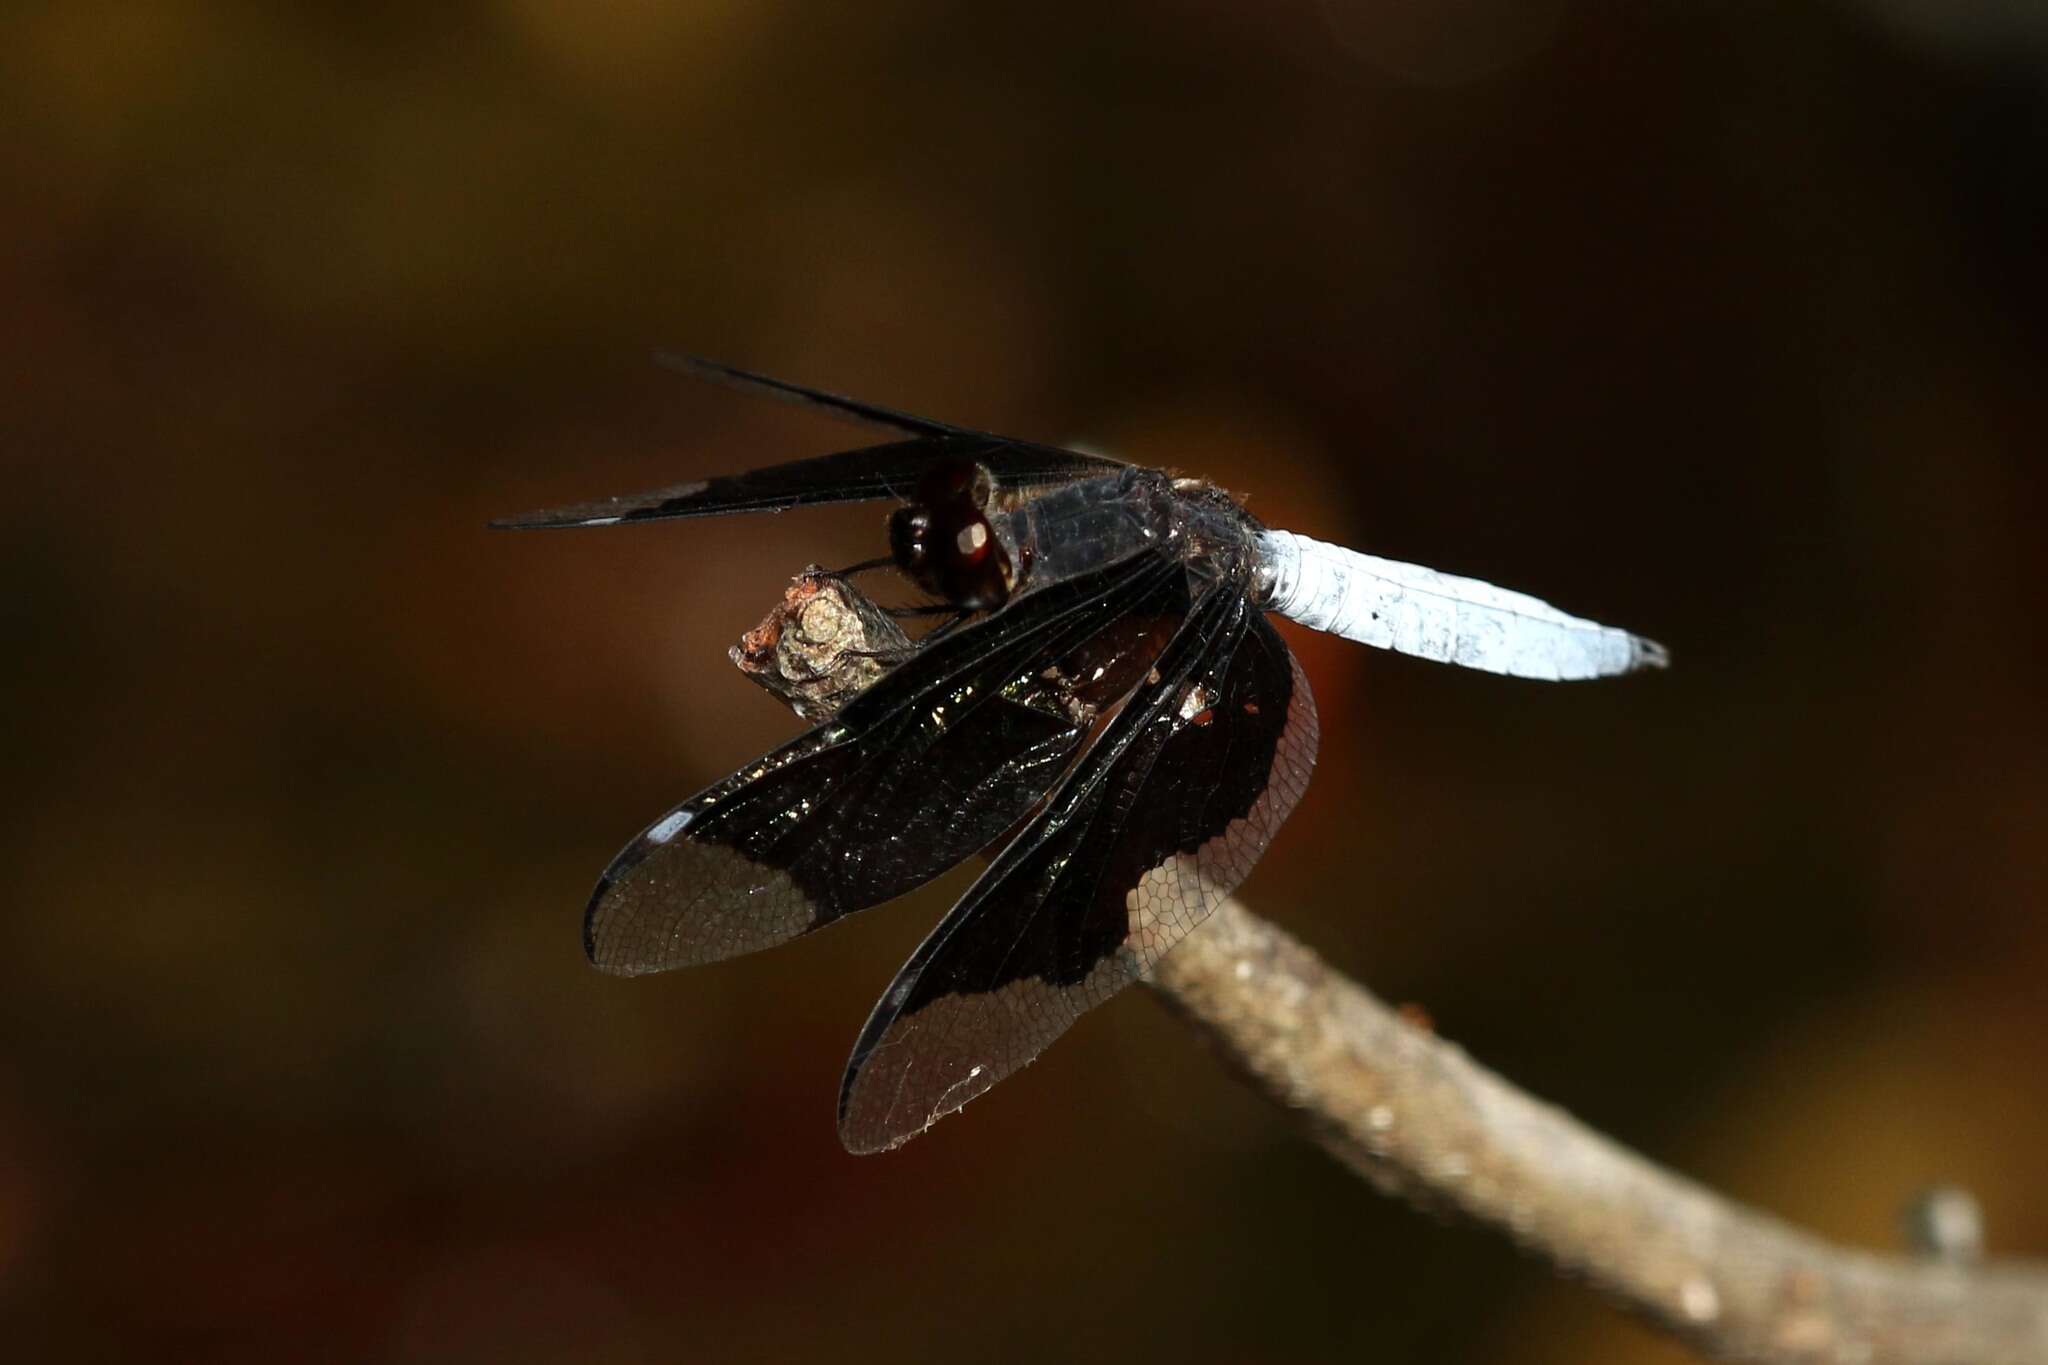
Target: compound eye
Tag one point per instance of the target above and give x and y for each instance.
(971, 543)
(973, 568)
(910, 531)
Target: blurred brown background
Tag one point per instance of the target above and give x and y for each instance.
(1722, 322)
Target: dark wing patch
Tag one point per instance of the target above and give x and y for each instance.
(929, 765)
(1160, 821)
(889, 470)
(883, 471)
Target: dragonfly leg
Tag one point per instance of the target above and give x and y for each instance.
(899, 653)
(944, 628)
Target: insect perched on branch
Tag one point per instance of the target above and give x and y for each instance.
(1075, 588)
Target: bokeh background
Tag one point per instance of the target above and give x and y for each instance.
(1722, 322)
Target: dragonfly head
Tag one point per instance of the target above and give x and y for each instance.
(944, 541)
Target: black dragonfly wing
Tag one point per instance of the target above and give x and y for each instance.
(782, 390)
(1163, 818)
(929, 765)
(889, 470)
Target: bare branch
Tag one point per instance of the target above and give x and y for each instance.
(1416, 1116)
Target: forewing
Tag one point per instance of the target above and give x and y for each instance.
(927, 766)
(889, 470)
(1160, 821)
(883, 471)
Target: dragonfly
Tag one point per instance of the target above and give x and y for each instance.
(1107, 690)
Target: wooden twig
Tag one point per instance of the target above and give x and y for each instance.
(1417, 1117)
